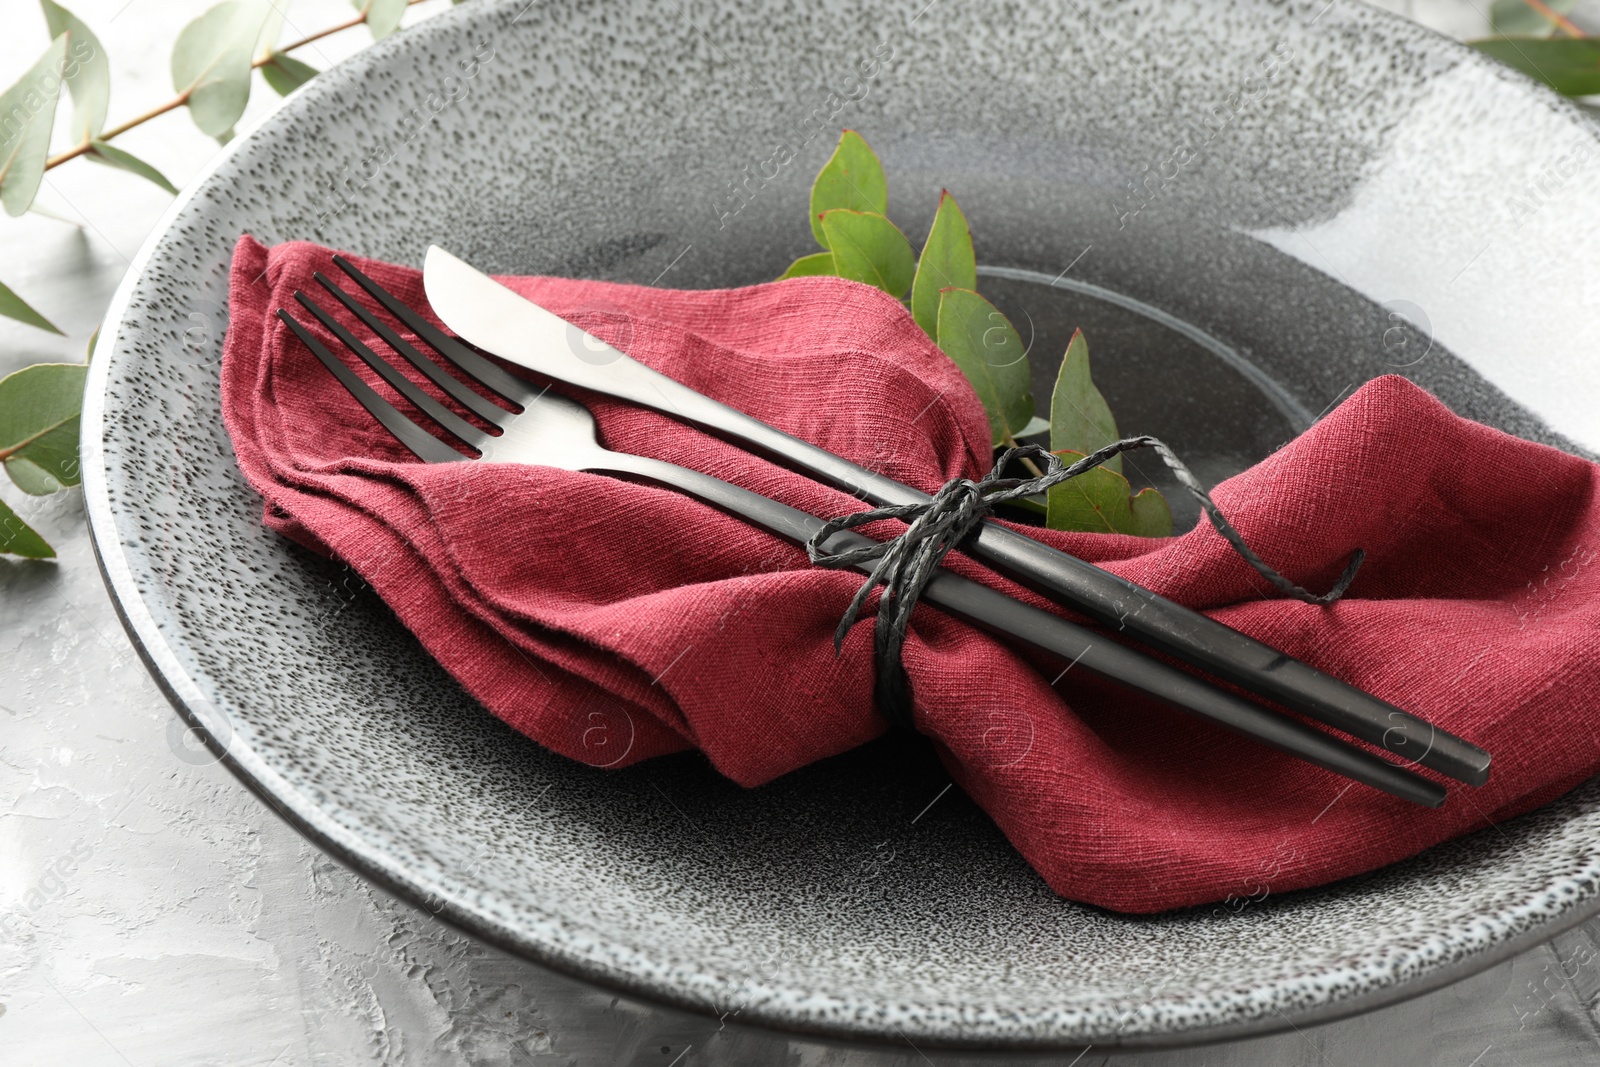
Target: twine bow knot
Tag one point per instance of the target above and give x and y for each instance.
(905, 564)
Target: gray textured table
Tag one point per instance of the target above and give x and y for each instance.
(153, 912)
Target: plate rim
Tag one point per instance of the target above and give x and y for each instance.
(776, 1014)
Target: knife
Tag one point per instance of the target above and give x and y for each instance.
(497, 320)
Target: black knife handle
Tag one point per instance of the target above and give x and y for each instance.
(1081, 647)
(1226, 653)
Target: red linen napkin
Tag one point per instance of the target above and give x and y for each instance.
(614, 622)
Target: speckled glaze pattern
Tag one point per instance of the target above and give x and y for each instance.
(1281, 176)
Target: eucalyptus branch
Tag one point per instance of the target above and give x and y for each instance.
(183, 98)
(215, 55)
(848, 202)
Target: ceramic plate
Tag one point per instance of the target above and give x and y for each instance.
(1253, 207)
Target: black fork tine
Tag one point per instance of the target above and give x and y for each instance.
(475, 402)
(509, 386)
(447, 419)
(422, 444)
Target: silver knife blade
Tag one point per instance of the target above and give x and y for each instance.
(503, 323)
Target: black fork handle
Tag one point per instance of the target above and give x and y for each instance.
(994, 610)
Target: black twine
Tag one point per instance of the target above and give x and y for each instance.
(907, 563)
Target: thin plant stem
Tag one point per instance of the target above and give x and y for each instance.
(1555, 18)
(73, 153)
(7, 453)
(1011, 442)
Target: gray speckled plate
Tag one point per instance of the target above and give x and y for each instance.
(1253, 206)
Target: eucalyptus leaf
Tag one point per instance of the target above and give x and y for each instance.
(821, 263)
(1035, 425)
(271, 30)
(286, 74)
(39, 408)
(94, 339)
(383, 16)
(1080, 418)
(1514, 18)
(869, 248)
(112, 156)
(29, 110)
(32, 478)
(88, 71)
(1569, 65)
(211, 63)
(852, 179)
(1035, 504)
(1152, 515)
(13, 306)
(947, 263)
(1102, 501)
(46, 213)
(19, 539)
(985, 345)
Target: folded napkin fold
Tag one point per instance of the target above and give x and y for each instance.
(614, 622)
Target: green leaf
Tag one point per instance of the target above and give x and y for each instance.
(13, 306)
(27, 112)
(869, 248)
(947, 263)
(1034, 504)
(810, 266)
(1152, 515)
(39, 407)
(985, 345)
(88, 71)
(19, 539)
(853, 179)
(1034, 425)
(1514, 18)
(211, 62)
(1080, 418)
(1101, 501)
(271, 30)
(383, 16)
(94, 339)
(112, 156)
(286, 74)
(1569, 65)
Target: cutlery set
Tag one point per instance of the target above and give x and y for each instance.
(532, 425)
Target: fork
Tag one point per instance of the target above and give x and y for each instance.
(540, 427)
